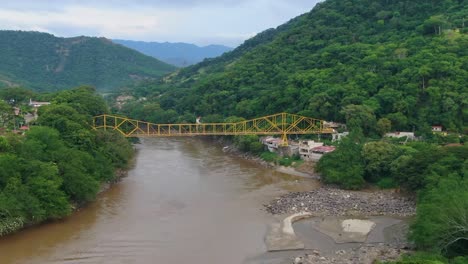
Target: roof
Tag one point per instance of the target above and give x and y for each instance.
(323, 149)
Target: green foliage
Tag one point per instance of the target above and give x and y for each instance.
(269, 156)
(428, 164)
(249, 143)
(354, 61)
(377, 158)
(48, 63)
(286, 161)
(343, 166)
(58, 164)
(441, 224)
(387, 183)
(278, 160)
(16, 95)
(421, 258)
(6, 114)
(384, 125)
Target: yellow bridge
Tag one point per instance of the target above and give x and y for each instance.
(279, 124)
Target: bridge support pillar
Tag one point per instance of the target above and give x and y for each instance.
(284, 138)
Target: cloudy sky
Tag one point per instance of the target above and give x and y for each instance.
(202, 22)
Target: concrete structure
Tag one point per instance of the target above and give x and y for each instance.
(409, 135)
(305, 148)
(318, 152)
(282, 236)
(436, 128)
(333, 125)
(272, 143)
(339, 136)
(311, 150)
(37, 104)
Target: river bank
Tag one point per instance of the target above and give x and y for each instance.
(329, 201)
(333, 210)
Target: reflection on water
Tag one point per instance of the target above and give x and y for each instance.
(185, 201)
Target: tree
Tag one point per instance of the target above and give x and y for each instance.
(384, 125)
(16, 95)
(378, 157)
(359, 117)
(343, 166)
(441, 223)
(435, 25)
(6, 114)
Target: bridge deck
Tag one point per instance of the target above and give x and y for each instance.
(279, 124)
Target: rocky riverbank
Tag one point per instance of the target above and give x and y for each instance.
(329, 201)
(365, 254)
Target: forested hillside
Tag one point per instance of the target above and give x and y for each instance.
(177, 54)
(48, 63)
(406, 61)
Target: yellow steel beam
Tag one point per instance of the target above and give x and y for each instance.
(279, 124)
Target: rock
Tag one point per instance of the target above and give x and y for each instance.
(298, 260)
(336, 202)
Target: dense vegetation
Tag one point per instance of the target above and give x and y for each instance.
(59, 163)
(405, 61)
(437, 174)
(47, 63)
(376, 65)
(177, 54)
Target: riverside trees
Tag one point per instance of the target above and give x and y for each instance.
(436, 174)
(58, 164)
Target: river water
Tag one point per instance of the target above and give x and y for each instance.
(185, 201)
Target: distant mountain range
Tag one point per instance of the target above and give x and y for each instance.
(177, 54)
(45, 63)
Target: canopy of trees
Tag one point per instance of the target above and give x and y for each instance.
(403, 62)
(438, 174)
(58, 164)
(48, 63)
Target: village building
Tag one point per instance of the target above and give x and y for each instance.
(408, 135)
(311, 150)
(339, 136)
(333, 125)
(272, 143)
(436, 128)
(37, 104)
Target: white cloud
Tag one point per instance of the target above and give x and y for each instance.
(198, 21)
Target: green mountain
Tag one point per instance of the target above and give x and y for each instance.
(406, 61)
(45, 62)
(178, 54)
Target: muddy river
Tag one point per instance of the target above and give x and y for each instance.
(184, 201)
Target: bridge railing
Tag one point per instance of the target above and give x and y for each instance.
(278, 124)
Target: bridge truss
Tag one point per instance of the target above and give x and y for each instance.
(279, 124)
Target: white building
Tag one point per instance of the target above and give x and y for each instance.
(305, 148)
(339, 136)
(37, 104)
(272, 143)
(408, 135)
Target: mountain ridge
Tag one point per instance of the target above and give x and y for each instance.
(405, 62)
(45, 62)
(179, 54)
